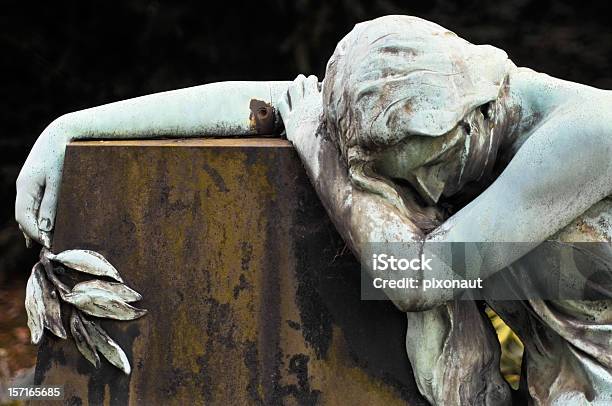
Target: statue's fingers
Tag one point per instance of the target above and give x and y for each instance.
(27, 205)
(284, 106)
(296, 89)
(311, 85)
(46, 214)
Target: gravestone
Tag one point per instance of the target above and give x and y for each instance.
(252, 296)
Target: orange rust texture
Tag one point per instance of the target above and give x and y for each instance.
(252, 297)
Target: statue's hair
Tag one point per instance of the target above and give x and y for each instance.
(400, 76)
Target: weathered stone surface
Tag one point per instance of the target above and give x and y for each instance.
(252, 296)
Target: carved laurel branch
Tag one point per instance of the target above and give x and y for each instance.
(96, 297)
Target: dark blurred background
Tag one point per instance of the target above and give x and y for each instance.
(57, 57)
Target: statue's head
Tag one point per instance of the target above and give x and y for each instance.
(407, 99)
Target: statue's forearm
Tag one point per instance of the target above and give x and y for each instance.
(356, 214)
(216, 109)
(562, 170)
(363, 218)
(329, 177)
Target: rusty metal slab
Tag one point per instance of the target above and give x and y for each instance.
(253, 297)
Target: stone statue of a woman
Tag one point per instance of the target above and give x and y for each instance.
(410, 117)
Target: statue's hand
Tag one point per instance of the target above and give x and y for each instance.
(38, 184)
(301, 110)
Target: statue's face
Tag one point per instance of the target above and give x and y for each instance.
(440, 166)
(431, 165)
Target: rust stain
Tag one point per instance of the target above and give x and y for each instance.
(261, 118)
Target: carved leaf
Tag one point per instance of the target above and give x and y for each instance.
(86, 261)
(82, 339)
(52, 316)
(100, 303)
(107, 347)
(41, 296)
(120, 291)
(34, 305)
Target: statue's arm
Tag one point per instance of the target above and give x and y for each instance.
(217, 109)
(563, 168)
